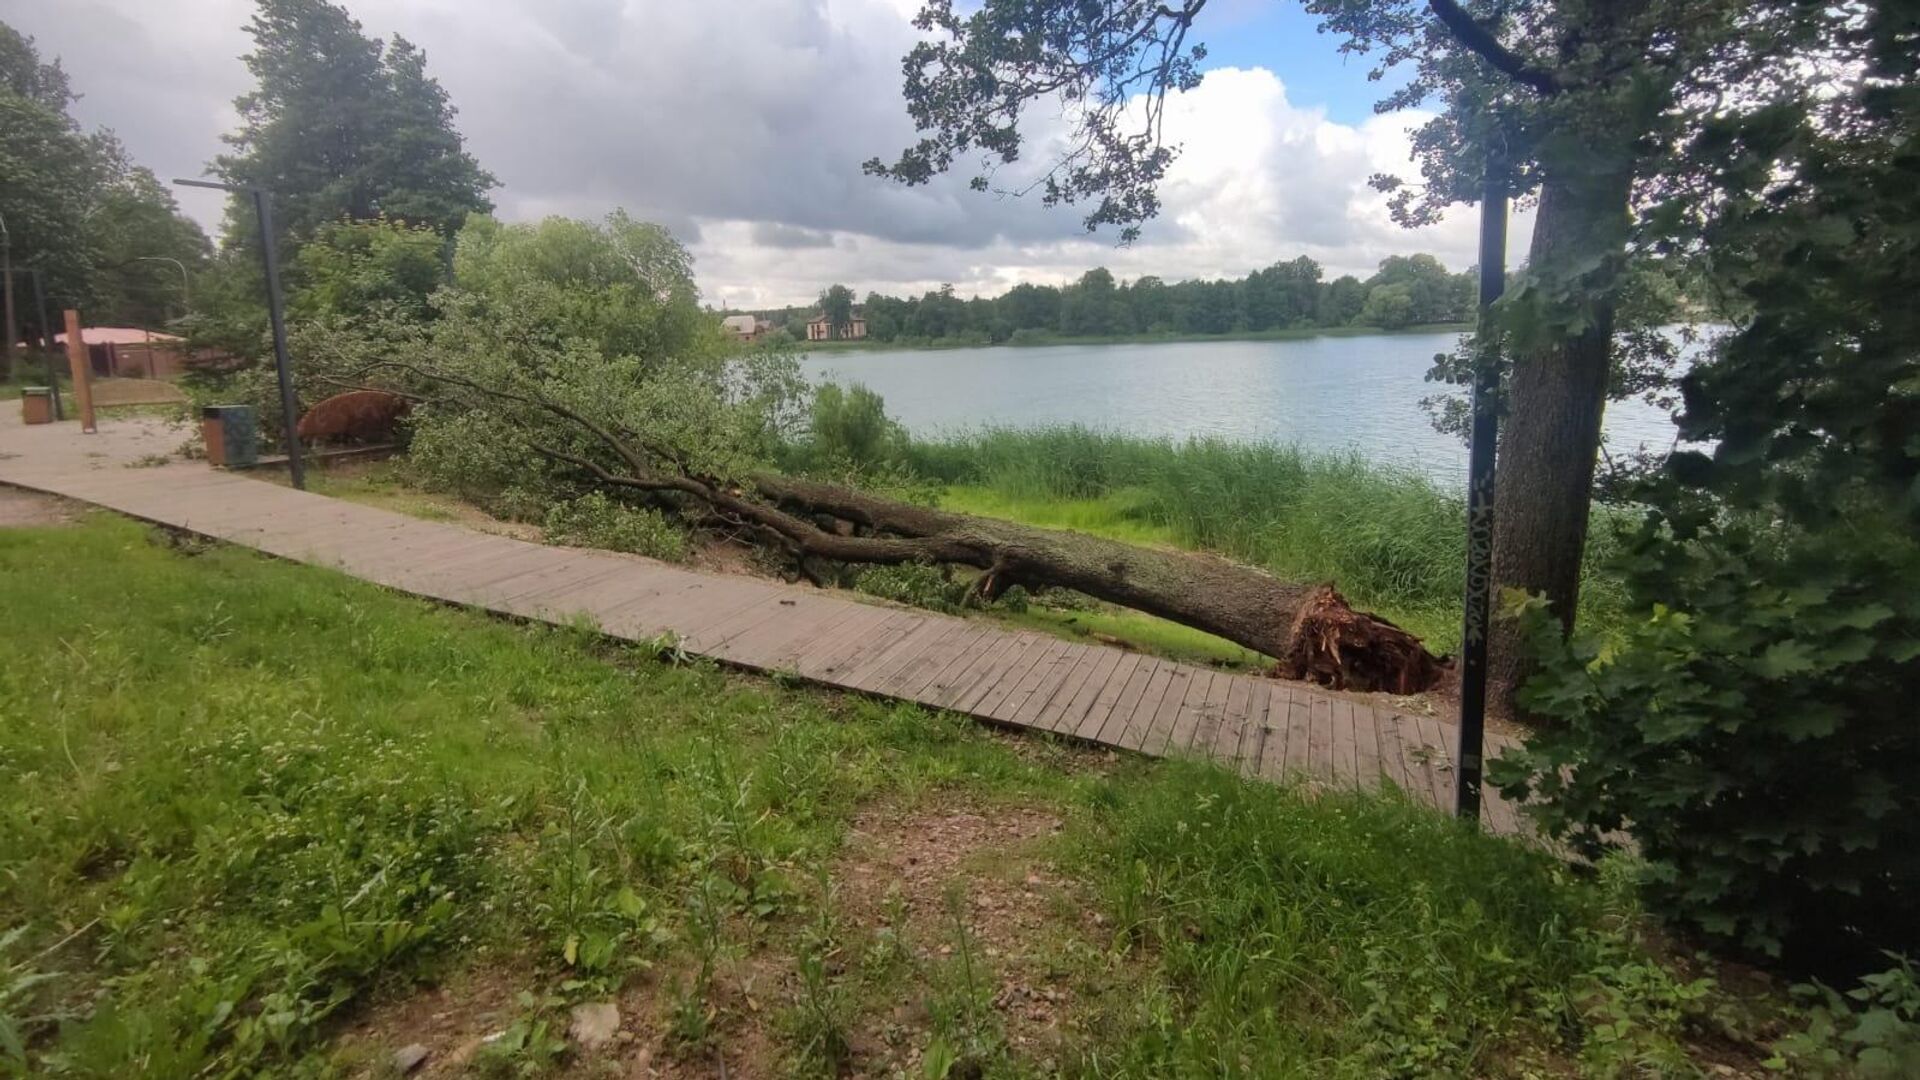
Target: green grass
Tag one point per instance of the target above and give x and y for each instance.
(1391, 540)
(243, 803)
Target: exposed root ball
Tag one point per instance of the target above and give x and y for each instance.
(1338, 647)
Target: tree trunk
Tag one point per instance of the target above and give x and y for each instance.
(1555, 400)
(1307, 627)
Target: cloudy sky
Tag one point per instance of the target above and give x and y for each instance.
(742, 124)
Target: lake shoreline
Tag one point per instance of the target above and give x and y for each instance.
(1296, 334)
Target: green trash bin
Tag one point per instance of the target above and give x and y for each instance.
(232, 435)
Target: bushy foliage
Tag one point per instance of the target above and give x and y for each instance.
(352, 267)
(922, 585)
(600, 321)
(850, 427)
(1754, 730)
(594, 520)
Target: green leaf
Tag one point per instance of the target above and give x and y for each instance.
(1784, 658)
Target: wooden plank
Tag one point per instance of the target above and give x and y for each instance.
(1044, 676)
(1417, 758)
(1114, 725)
(916, 637)
(1271, 698)
(1001, 664)
(830, 657)
(1019, 677)
(920, 678)
(1299, 728)
(1223, 743)
(1442, 771)
(1026, 712)
(1320, 738)
(888, 663)
(1186, 717)
(774, 649)
(802, 621)
(1064, 713)
(1232, 714)
(1392, 766)
(756, 612)
(1366, 746)
(1274, 765)
(1132, 727)
(1346, 772)
(1101, 703)
(1166, 716)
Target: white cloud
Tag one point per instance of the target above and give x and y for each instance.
(741, 124)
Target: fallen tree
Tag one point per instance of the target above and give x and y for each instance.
(1309, 630)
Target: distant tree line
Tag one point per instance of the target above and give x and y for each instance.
(1407, 290)
(102, 232)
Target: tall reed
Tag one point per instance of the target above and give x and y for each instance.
(1389, 538)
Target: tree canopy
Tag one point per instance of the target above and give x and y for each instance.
(78, 209)
(339, 125)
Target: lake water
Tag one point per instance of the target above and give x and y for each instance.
(1327, 393)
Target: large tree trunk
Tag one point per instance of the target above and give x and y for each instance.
(1307, 627)
(1555, 400)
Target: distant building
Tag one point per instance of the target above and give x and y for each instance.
(818, 329)
(743, 327)
(130, 352)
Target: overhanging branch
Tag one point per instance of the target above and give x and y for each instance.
(1477, 38)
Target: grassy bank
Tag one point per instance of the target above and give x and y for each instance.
(1391, 540)
(259, 818)
(1039, 340)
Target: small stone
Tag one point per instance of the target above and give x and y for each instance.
(408, 1058)
(595, 1024)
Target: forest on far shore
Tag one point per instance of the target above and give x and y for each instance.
(1407, 290)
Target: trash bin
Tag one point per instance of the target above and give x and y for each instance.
(36, 404)
(232, 435)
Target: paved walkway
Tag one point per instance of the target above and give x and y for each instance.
(1262, 727)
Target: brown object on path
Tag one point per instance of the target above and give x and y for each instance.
(82, 372)
(362, 416)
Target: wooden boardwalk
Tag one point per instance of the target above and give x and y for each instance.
(1260, 727)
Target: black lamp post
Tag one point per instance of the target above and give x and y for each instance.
(1477, 618)
(289, 411)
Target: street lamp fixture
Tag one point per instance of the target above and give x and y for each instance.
(289, 418)
(186, 291)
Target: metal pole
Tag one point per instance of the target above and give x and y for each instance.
(289, 410)
(1477, 617)
(46, 340)
(6, 284)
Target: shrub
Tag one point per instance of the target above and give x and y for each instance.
(851, 429)
(922, 585)
(594, 520)
(1749, 733)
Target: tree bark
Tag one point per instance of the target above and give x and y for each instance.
(1307, 627)
(1556, 397)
